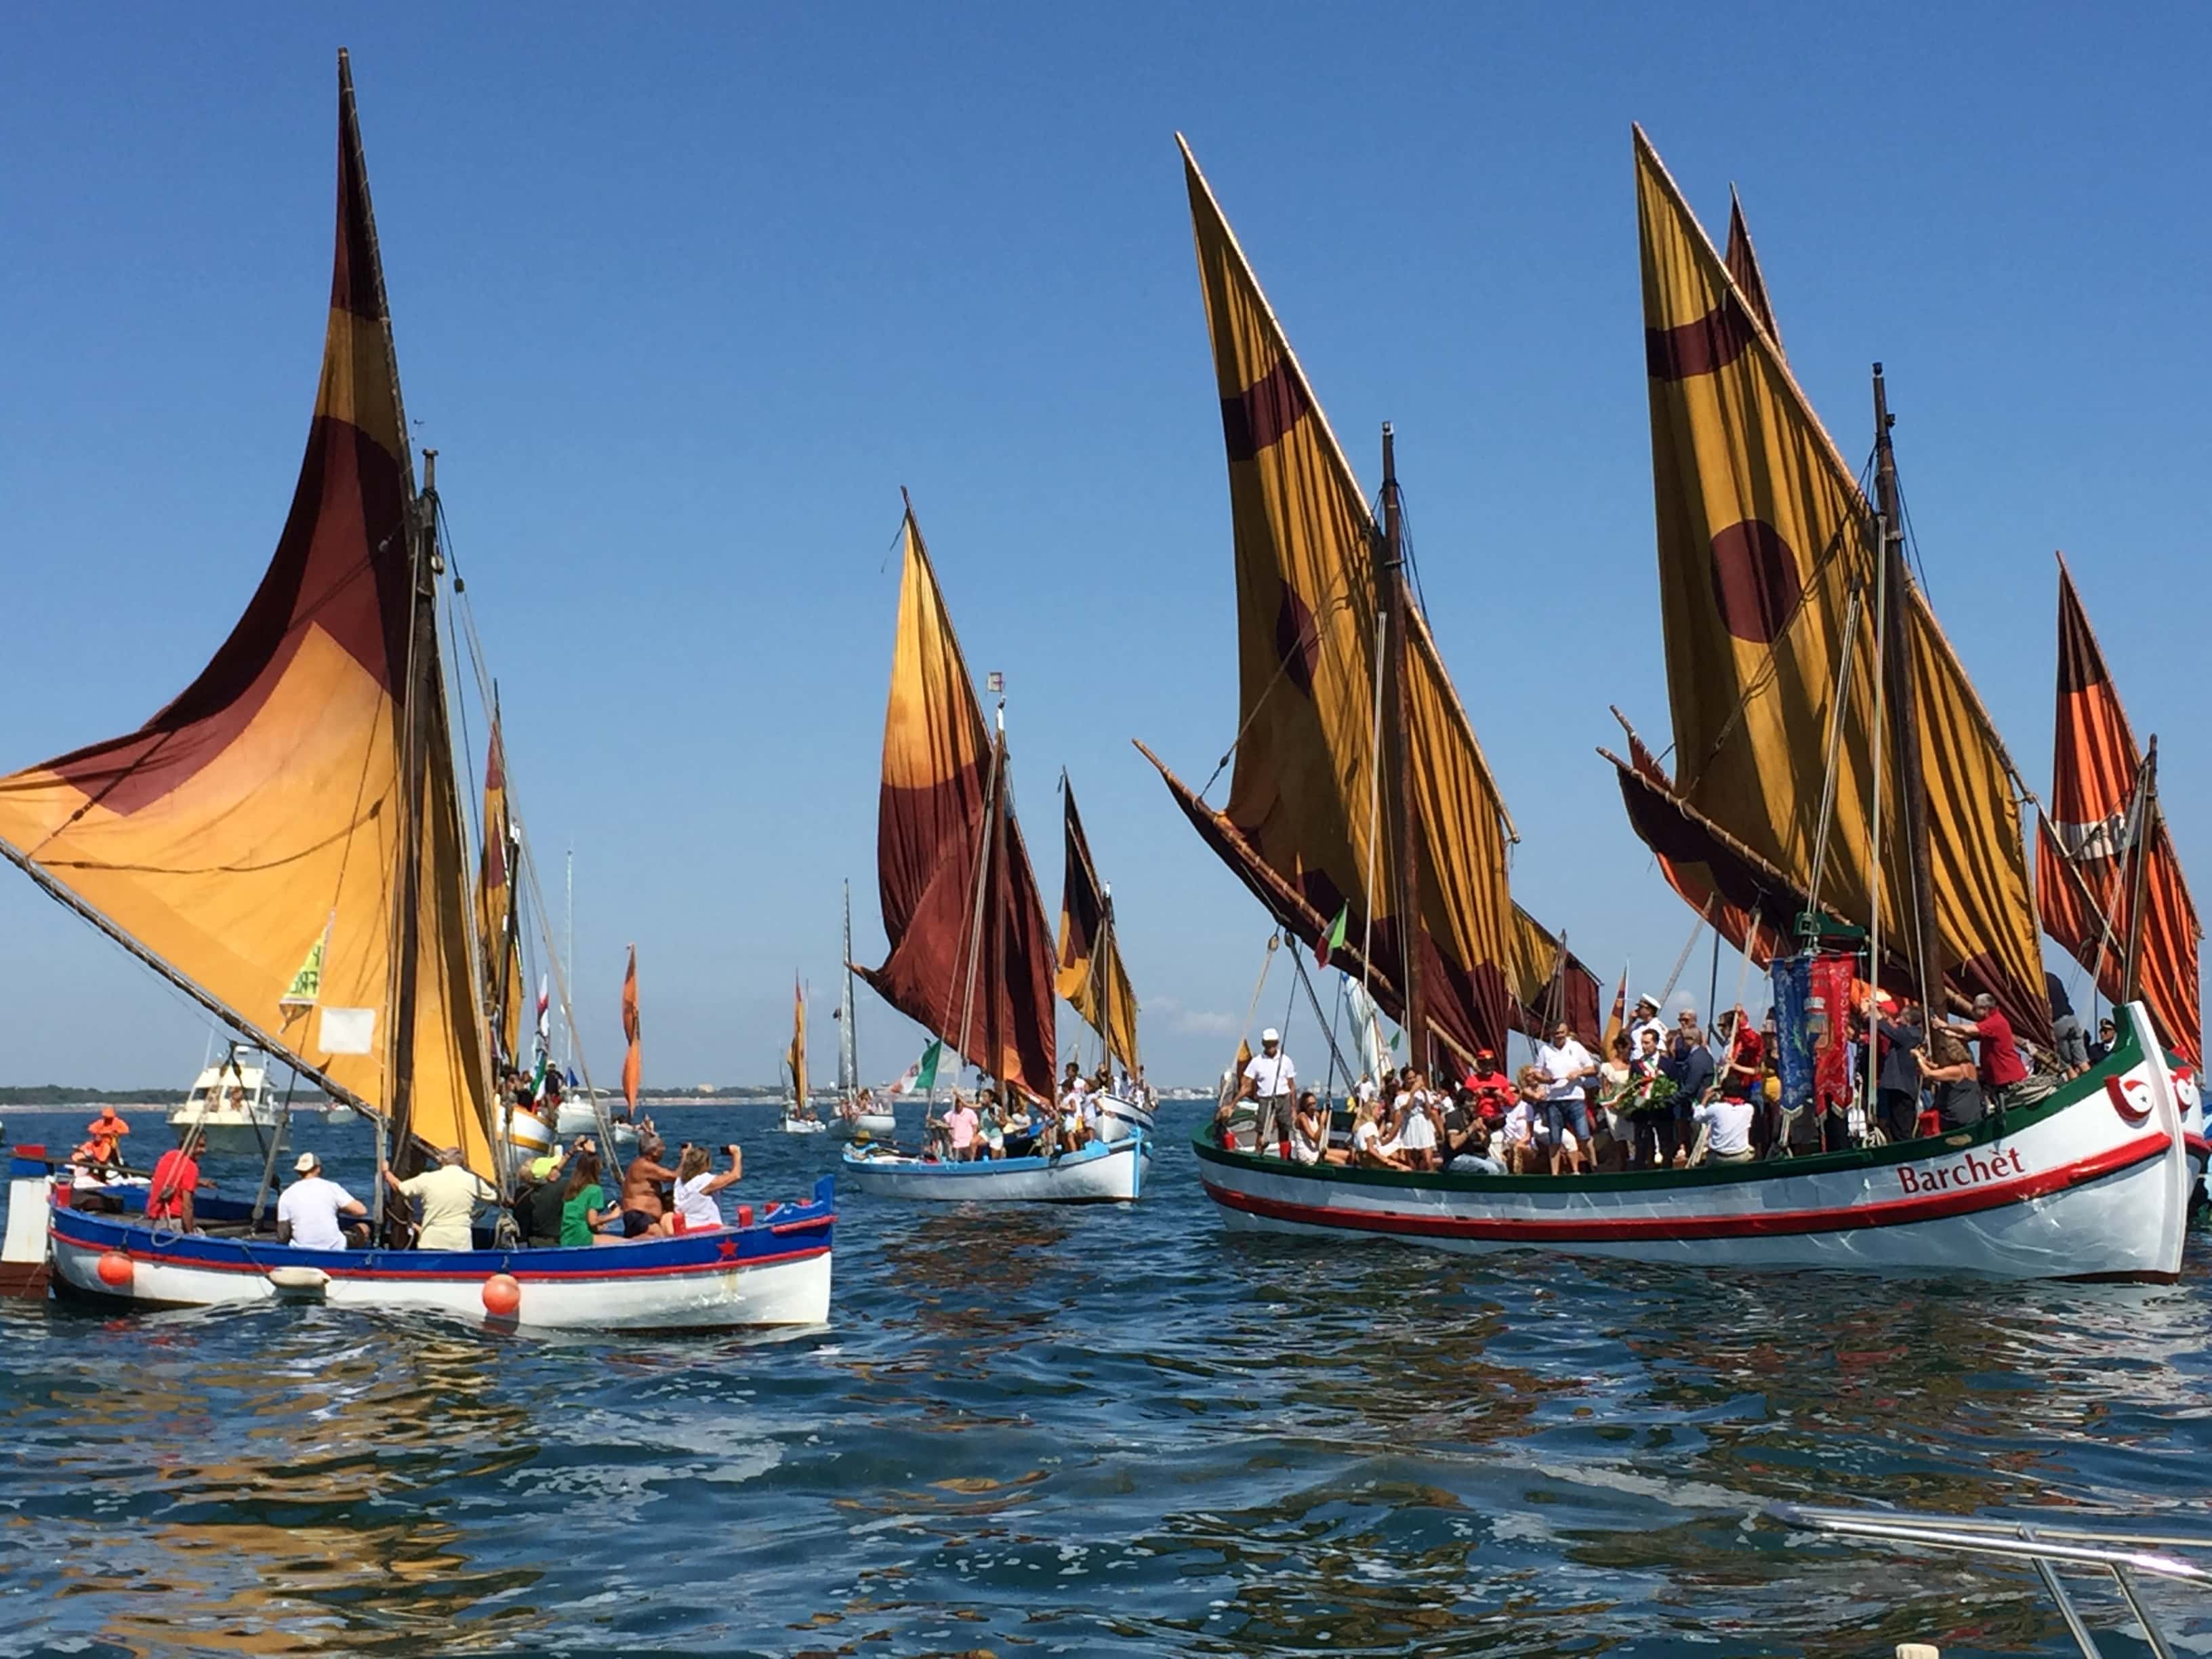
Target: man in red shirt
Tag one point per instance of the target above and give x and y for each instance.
(2001, 1068)
(169, 1194)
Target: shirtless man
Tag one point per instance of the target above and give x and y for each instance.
(645, 1191)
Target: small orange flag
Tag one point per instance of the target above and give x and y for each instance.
(633, 1062)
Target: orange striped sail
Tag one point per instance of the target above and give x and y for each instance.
(270, 803)
(1091, 979)
(971, 959)
(1300, 826)
(1768, 571)
(633, 1072)
(2085, 854)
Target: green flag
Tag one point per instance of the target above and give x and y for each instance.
(1333, 940)
(307, 985)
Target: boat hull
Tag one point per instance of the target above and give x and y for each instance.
(776, 1272)
(1101, 1173)
(575, 1118)
(2089, 1184)
(229, 1132)
(873, 1123)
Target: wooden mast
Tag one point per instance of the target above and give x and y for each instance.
(1397, 754)
(415, 752)
(1919, 946)
(2146, 826)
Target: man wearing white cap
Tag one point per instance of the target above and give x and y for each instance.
(1646, 1019)
(307, 1214)
(1272, 1080)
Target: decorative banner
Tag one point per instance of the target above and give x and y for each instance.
(307, 986)
(1793, 978)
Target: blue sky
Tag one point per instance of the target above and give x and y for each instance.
(684, 295)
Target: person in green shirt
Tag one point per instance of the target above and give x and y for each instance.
(581, 1216)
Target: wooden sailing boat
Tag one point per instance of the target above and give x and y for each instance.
(1798, 650)
(798, 1117)
(970, 959)
(857, 1111)
(284, 843)
(1322, 818)
(1090, 977)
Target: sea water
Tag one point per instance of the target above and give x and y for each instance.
(1100, 1430)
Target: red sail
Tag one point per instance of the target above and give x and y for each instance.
(2084, 863)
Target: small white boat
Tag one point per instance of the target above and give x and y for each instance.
(232, 1108)
(802, 1126)
(1120, 1117)
(1105, 1171)
(865, 1123)
(576, 1118)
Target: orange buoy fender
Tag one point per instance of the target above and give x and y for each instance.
(502, 1295)
(114, 1269)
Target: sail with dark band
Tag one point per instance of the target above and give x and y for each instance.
(2085, 851)
(971, 959)
(271, 805)
(1767, 564)
(1300, 826)
(1090, 977)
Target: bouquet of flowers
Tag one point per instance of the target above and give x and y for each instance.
(1658, 1094)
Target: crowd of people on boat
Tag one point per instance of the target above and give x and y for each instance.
(562, 1198)
(1665, 1094)
(994, 1123)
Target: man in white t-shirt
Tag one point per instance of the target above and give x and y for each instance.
(307, 1214)
(1270, 1080)
(1727, 1129)
(1565, 1065)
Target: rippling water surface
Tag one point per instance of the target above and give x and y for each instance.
(1092, 1431)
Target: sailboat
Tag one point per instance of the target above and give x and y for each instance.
(284, 844)
(1090, 978)
(1361, 811)
(2089, 1182)
(859, 1111)
(2108, 882)
(798, 1115)
(970, 959)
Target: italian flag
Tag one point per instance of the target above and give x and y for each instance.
(921, 1076)
(1333, 941)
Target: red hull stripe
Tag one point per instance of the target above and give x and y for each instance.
(2200, 1145)
(1894, 1213)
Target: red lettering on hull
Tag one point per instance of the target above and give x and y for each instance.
(1971, 1171)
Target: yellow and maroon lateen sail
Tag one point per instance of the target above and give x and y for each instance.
(970, 956)
(267, 808)
(499, 915)
(1768, 559)
(2085, 853)
(633, 1025)
(1090, 975)
(1300, 826)
(794, 1057)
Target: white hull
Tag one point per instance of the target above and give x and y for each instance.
(774, 1273)
(1101, 1173)
(1119, 1117)
(225, 1131)
(2092, 1183)
(873, 1123)
(575, 1118)
(804, 1126)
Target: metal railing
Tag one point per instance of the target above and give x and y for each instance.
(2048, 1545)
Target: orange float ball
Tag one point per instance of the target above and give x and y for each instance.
(501, 1296)
(114, 1269)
